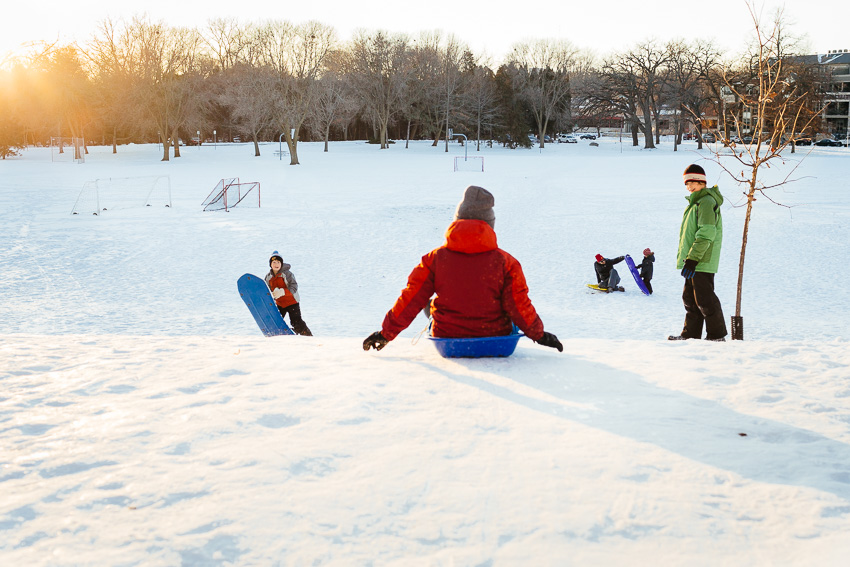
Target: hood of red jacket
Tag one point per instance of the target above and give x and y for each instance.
(470, 237)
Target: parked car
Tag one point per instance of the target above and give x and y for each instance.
(588, 136)
(803, 141)
(829, 142)
(709, 138)
(547, 138)
(567, 139)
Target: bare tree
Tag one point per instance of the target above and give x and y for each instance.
(614, 90)
(112, 54)
(66, 91)
(335, 104)
(687, 81)
(250, 94)
(646, 62)
(542, 78)
(164, 70)
(380, 72)
(481, 98)
(452, 55)
(424, 106)
(229, 41)
(778, 105)
(297, 54)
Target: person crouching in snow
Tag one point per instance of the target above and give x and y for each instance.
(606, 276)
(480, 289)
(285, 292)
(646, 268)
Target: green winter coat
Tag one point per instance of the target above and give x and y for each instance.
(701, 233)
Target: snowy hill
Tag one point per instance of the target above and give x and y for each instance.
(144, 420)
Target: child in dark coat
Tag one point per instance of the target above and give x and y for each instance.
(646, 268)
(606, 276)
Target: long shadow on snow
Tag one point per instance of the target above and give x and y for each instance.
(625, 404)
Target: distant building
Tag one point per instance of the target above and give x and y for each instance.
(836, 72)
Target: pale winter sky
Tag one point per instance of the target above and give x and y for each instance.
(487, 27)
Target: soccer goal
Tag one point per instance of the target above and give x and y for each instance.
(67, 150)
(463, 163)
(116, 193)
(230, 192)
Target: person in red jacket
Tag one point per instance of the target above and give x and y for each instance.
(479, 289)
(284, 290)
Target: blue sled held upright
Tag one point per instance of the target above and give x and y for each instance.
(638, 280)
(257, 296)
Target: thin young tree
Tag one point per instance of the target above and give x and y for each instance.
(778, 105)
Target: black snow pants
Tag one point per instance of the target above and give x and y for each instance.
(298, 324)
(702, 306)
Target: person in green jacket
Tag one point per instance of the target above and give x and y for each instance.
(700, 237)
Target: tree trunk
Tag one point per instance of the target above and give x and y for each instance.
(114, 140)
(256, 145)
(676, 134)
(165, 147)
(176, 141)
(647, 126)
(383, 135)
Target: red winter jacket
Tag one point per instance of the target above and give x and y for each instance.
(480, 289)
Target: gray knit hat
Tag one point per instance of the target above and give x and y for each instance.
(477, 204)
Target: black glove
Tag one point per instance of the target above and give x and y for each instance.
(376, 341)
(551, 341)
(690, 269)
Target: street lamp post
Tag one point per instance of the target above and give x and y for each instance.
(215, 141)
(199, 139)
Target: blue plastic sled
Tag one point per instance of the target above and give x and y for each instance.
(478, 347)
(633, 269)
(257, 296)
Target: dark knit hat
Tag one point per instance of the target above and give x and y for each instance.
(599, 258)
(694, 173)
(274, 255)
(477, 204)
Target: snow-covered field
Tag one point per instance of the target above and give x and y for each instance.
(144, 420)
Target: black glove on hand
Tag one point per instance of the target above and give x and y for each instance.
(690, 269)
(551, 341)
(376, 341)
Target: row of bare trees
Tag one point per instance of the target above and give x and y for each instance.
(140, 80)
